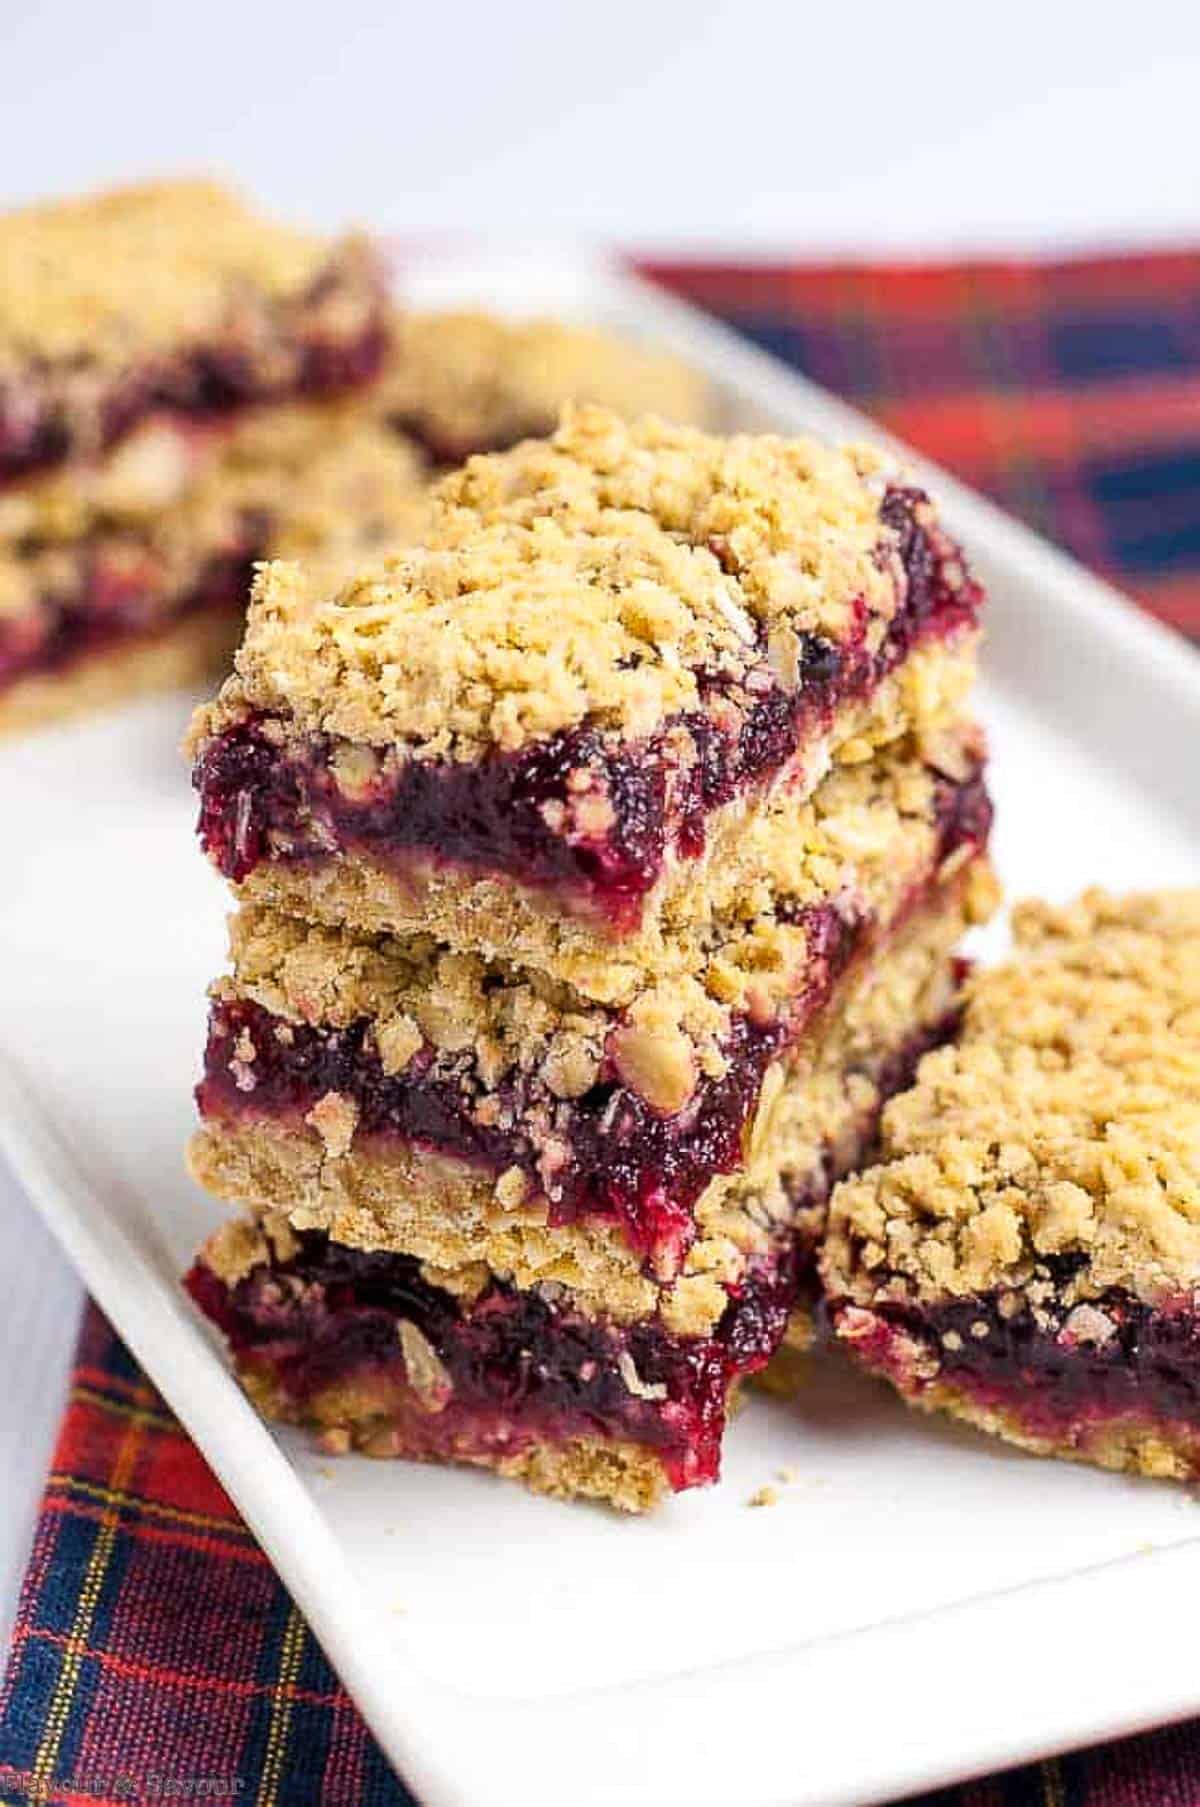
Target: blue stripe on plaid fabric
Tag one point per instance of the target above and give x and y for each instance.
(1151, 508)
(1100, 344)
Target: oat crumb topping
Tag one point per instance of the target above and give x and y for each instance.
(596, 576)
(335, 1119)
(154, 265)
(1065, 1121)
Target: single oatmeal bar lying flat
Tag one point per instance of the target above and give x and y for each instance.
(491, 1336)
(393, 1091)
(131, 571)
(460, 383)
(1026, 1255)
(173, 296)
(542, 731)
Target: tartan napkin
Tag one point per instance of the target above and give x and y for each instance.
(156, 1656)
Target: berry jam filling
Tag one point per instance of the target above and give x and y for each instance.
(524, 814)
(509, 1370)
(1063, 1372)
(41, 406)
(115, 605)
(605, 1154)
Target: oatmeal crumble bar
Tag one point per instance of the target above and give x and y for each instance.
(460, 383)
(602, 855)
(405, 1323)
(171, 296)
(536, 732)
(1026, 1255)
(131, 572)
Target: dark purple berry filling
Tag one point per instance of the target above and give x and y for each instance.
(1065, 1368)
(506, 812)
(528, 1369)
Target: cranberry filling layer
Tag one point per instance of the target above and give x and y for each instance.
(514, 1369)
(614, 1156)
(521, 814)
(40, 411)
(116, 603)
(1069, 1369)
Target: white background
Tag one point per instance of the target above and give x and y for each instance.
(682, 124)
(794, 125)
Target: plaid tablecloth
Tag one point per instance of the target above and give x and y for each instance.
(156, 1657)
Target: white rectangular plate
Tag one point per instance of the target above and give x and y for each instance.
(921, 1603)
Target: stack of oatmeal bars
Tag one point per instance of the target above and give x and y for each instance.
(601, 860)
(180, 386)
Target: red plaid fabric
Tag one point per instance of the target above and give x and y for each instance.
(156, 1656)
(1069, 392)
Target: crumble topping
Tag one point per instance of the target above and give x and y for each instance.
(107, 277)
(1064, 1122)
(236, 1249)
(473, 382)
(335, 1119)
(606, 575)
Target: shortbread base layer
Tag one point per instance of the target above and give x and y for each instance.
(187, 653)
(1130, 1443)
(622, 1475)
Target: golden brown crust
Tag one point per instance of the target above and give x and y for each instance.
(626, 1475)
(596, 576)
(1064, 1121)
(113, 276)
(812, 1113)
(746, 852)
(473, 382)
(183, 655)
(1130, 1444)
